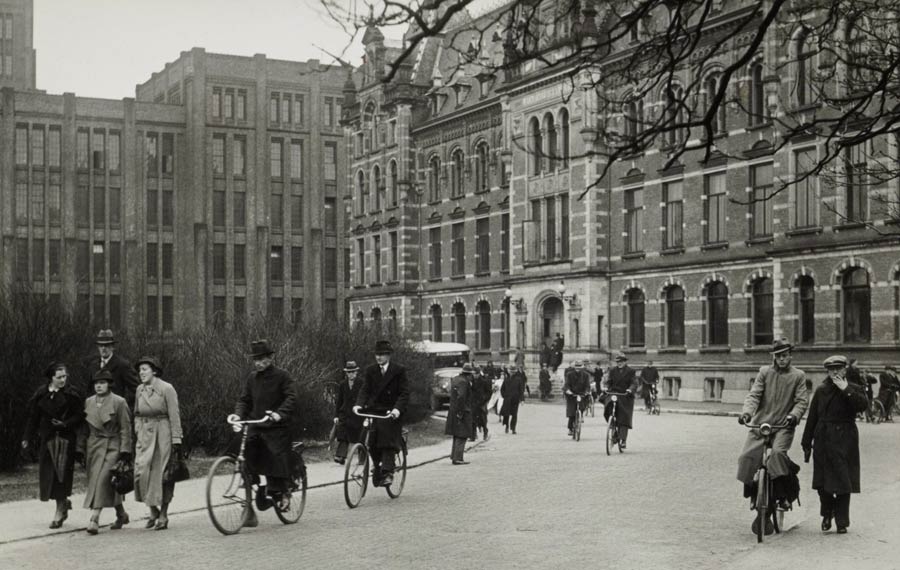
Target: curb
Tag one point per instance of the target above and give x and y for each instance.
(703, 413)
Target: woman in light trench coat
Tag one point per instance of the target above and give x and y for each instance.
(108, 440)
(157, 427)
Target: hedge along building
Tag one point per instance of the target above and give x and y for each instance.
(665, 264)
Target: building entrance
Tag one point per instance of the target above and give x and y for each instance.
(551, 319)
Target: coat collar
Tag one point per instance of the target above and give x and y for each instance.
(96, 415)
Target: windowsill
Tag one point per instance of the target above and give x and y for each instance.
(714, 349)
(504, 272)
(849, 226)
(635, 350)
(804, 231)
(549, 262)
(759, 240)
(634, 255)
(457, 277)
(434, 203)
(483, 273)
(672, 350)
(672, 251)
(435, 279)
(757, 349)
(359, 286)
(377, 284)
(485, 191)
(714, 245)
(389, 283)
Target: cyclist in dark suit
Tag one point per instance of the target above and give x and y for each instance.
(577, 383)
(623, 380)
(385, 389)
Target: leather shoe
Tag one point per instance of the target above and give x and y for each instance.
(339, 460)
(120, 521)
(387, 481)
(826, 524)
(460, 462)
(93, 526)
(842, 530)
(162, 524)
(55, 523)
(262, 501)
(250, 520)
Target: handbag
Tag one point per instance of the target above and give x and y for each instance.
(176, 470)
(122, 476)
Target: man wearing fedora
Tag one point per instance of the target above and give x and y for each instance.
(385, 389)
(269, 392)
(348, 424)
(460, 422)
(576, 383)
(621, 379)
(779, 396)
(124, 377)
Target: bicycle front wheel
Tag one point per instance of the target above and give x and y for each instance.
(762, 504)
(592, 407)
(356, 475)
(228, 495)
(610, 434)
(395, 488)
(579, 420)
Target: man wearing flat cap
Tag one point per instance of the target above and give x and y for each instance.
(622, 379)
(348, 424)
(779, 396)
(385, 389)
(269, 392)
(124, 377)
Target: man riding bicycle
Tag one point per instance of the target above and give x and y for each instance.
(621, 379)
(577, 383)
(779, 396)
(385, 389)
(649, 382)
(269, 392)
(888, 387)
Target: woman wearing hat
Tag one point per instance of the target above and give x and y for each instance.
(108, 440)
(55, 414)
(157, 428)
(833, 439)
(348, 424)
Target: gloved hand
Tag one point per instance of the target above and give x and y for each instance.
(124, 456)
(744, 419)
(395, 413)
(807, 451)
(273, 416)
(356, 409)
(337, 421)
(234, 418)
(790, 421)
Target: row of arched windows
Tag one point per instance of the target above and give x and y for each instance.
(854, 300)
(458, 171)
(456, 332)
(549, 142)
(374, 191)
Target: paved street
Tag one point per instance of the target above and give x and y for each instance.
(533, 500)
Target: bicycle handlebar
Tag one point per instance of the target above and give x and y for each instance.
(617, 393)
(384, 417)
(248, 422)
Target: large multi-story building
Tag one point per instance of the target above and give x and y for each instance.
(212, 194)
(476, 217)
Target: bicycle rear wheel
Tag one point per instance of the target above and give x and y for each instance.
(611, 434)
(297, 494)
(395, 488)
(228, 495)
(578, 422)
(356, 475)
(762, 504)
(592, 406)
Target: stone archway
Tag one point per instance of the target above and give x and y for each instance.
(551, 320)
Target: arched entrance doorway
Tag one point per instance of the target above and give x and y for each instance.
(551, 320)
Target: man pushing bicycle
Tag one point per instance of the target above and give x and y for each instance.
(779, 396)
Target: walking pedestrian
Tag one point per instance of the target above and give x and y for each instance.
(349, 425)
(124, 378)
(513, 392)
(482, 388)
(158, 436)
(623, 380)
(459, 417)
(833, 439)
(544, 383)
(107, 441)
(55, 415)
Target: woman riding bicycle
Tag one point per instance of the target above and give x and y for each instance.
(621, 379)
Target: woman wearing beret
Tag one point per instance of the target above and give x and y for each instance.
(108, 440)
(157, 428)
(55, 414)
(832, 437)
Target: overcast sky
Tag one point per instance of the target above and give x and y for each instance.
(103, 48)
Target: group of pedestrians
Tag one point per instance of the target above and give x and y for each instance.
(132, 418)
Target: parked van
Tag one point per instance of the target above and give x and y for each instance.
(447, 359)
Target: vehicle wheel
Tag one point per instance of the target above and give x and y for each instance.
(762, 504)
(228, 495)
(877, 411)
(610, 435)
(356, 475)
(578, 422)
(592, 407)
(396, 487)
(297, 502)
(777, 519)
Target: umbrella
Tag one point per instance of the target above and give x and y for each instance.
(59, 454)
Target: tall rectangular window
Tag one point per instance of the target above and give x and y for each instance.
(22, 204)
(330, 216)
(296, 214)
(434, 235)
(673, 215)
(168, 313)
(482, 245)
(115, 261)
(804, 189)
(240, 262)
(298, 109)
(37, 259)
(329, 112)
(296, 160)
(37, 203)
(277, 212)
(115, 207)
(240, 308)
(168, 212)
(100, 310)
(229, 104)
(98, 150)
(360, 261)
(82, 261)
(22, 146)
(54, 205)
(152, 209)
(761, 207)
(347, 266)
(240, 107)
(168, 267)
(856, 197)
(276, 263)
(115, 311)
(37, 145)
(168, 153)
(55, 258)
(82, 206)
(273, 108)
(395, 256)
(239, 209)
(504, 242)
(296, 309)
(98, 255)
(99, 207)
(634, 220)
(54, 153)
(239, 157)
(216, 102)
(285, 108)
(715, 208)
(458, 249)
(218, 268)
(275, 158)
(151, 147)
(81, 149)
(297, 264)
(218, 154)
(152, 261)
(114, 151)
(376, 259)
(330, 162)
(564, 226)
(218, 209)
(330, 265)
(152, 313)
(550, 227)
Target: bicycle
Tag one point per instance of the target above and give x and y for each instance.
(230, 487)
(591, 403)
(579, 419)
(329, 394)
(356, 471)
(654, 403)
(612, 426)
(764, 502)
(880, 412)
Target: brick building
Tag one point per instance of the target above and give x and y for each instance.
(495, 235)
(212, 194)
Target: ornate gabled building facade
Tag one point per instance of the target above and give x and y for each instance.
(495, 231)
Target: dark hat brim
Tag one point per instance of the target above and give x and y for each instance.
(781, 349)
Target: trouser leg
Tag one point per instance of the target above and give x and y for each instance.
(459, 447)
(571, 422)
(277, 485)
(341, 451)
(842, 510)
(387, 461)
(826, 503)
(514, 419)
(623, 434)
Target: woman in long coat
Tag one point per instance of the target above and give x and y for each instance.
(832, 436)
(347, 424)
(459, 417)
(55, 414)
(108, 440)
(157, 428)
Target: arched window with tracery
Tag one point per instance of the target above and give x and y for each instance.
(481, 167)
(459, 323)
(395, 183)
(457, 173)
(551, 153)
(434, 179)
(379, 189)
(564, 137)
(483, 325)
(674, 316)
(712, 85)
(805, 68)
(537, 147)
(757, 105)
(362, 192)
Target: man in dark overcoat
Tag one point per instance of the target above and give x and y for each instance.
(544, 384)
(459, 417)
(124, 376)
(513, 392)
(621, 380)
(888, 388)
(348, 425)
(269, 392)
(649, 381)
(385, 389)
(576, 383)
(833, 439)
(482, 387)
